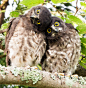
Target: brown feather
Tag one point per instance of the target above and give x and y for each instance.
(64, 49)
(25, 45)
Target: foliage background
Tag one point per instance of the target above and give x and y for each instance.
(62, 10)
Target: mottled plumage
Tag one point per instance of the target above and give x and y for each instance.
(40, 15)
(63, 50)
(25, 41)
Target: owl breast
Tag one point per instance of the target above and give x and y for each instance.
(26, 47)
(63, 54)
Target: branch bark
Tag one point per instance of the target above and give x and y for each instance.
(2, 31)
(35, 78)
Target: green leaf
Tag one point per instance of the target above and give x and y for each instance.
(83, 48)
(4, 26)
(84, 60)
(75, 19)
(67, 20)
(83, 40)
(81, 28)
(67, 12)
(1, 51)
(60, 1)
(2, 11)
(14, 14)
(40, 68)
(30, 3)
(82, 64)
(83, 4)
(84, 10)
(70, 0)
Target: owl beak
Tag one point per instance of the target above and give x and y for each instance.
(54, 28)
(34, 17)
(57, 29)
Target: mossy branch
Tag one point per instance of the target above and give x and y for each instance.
(36, 78)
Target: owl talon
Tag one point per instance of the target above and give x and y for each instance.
(75, 76)
(27, 67)
(61, 74)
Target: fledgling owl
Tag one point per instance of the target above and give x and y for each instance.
(25, 40)
(63, 50)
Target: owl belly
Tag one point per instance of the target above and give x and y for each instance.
(26, 48)
(63, 56)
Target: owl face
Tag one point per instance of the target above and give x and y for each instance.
(35, 16)
(35, 12)
(40, 16)
(57, 26)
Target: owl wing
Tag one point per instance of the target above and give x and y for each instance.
(25, 46)
(70, 26)
(12, 25)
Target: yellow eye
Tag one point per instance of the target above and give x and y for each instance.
(49, 30)
(56, 24)
(38, 22)
(38, 11)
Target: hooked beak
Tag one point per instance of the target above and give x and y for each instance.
(54, 28)
(34, 16)
(57, 29)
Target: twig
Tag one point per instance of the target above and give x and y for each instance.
(57, 9)
(1, 56)
(77, 9)
(2, 31)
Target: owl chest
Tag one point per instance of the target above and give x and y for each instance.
(26, 48)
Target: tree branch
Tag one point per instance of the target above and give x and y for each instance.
(77, 9)
(2, 31)
(36, 78)
(1, 56)
(3, 7)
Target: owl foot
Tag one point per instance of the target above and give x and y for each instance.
(34, 67)
(60, 75)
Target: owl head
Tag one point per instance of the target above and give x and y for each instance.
(40, 16)
(56, 28)
(70, 26)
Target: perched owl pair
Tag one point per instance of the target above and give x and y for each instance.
(64, 48)
(25, 40)
(29, 34)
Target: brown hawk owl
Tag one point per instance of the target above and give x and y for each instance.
(63, 50)
(25, 41)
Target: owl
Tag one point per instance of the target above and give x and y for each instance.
(70, 26)
(40, 16)
(25, 40)
(63, 51)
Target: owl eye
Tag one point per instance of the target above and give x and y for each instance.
(38, 22)
(56, 24)
(38, 11)
(49, 30)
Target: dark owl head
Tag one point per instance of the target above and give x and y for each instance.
(56, 28)
(40, 16)
(70, 26)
